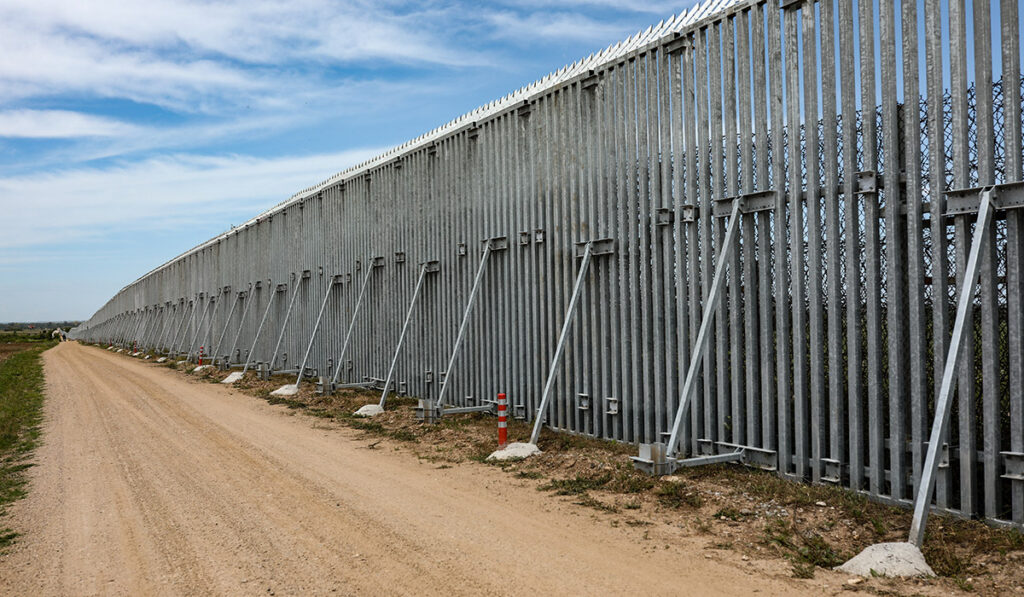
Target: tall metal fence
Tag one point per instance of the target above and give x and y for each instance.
(849, 141)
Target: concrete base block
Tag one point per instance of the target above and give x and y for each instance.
(161, 359)
(888, 559)
(200, 368)
(370, 410)
(286, 390)
(147, 357)
(232, 377)
(515, 451)
(120, 350)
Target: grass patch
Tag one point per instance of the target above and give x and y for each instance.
(21, 403)
(806, 551)
(676, 495)
(577, 485)
(591, 502)
(528, 475)
(289, 402)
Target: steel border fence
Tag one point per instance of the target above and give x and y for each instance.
(857, 137)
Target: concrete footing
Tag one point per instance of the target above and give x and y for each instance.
(200, 368)
(369, 410)
(888, 559)
(161, 359)
(232, 377)
(286, 390)
(515, 451)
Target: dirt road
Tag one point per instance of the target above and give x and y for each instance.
(150, 483)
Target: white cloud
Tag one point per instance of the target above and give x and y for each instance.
(201, 57)
(161, 193)
(57, 124)
(559, 26)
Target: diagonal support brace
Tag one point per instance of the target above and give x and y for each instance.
(490, 246)
(585, 250)
(703, 335)
(425, 268)
(944, 403)
(375, 262)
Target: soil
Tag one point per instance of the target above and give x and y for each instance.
(154, 482)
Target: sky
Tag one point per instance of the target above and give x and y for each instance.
(133, 131)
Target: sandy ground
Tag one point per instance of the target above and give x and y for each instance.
(149, 483)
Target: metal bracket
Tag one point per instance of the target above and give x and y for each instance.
(524, 238)
(602, 246)
(611, 405)
(461, 250)
(538, 236)
(749, 203)
(679, 43)
(689, 213)
(654, 458)
(833, 471)
(432, 267)
(497, 243)
(281, 287)
(428, 377)
(1014, 464)
(590, 81)
(664, 216)
(305, 274)
(583, 401)
(1003, 196)
(377, 261)
(867, 181)
(784, 4)
(399, 257)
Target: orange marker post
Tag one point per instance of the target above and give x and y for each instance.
(502, 421)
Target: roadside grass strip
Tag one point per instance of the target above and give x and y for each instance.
(21, 412)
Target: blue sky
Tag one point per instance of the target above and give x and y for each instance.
(130, 132)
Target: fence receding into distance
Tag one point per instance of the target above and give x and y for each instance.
(849, 140)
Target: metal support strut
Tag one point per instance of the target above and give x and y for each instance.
(490, 246)
(428, 266)
(287, 315)
(943, 403)
(227, 322)
(241, 320)
(316, 326)
(256, 338)
(658, 459)
(199, 328)
(184, 331)
(590, 248)
(374, 263)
